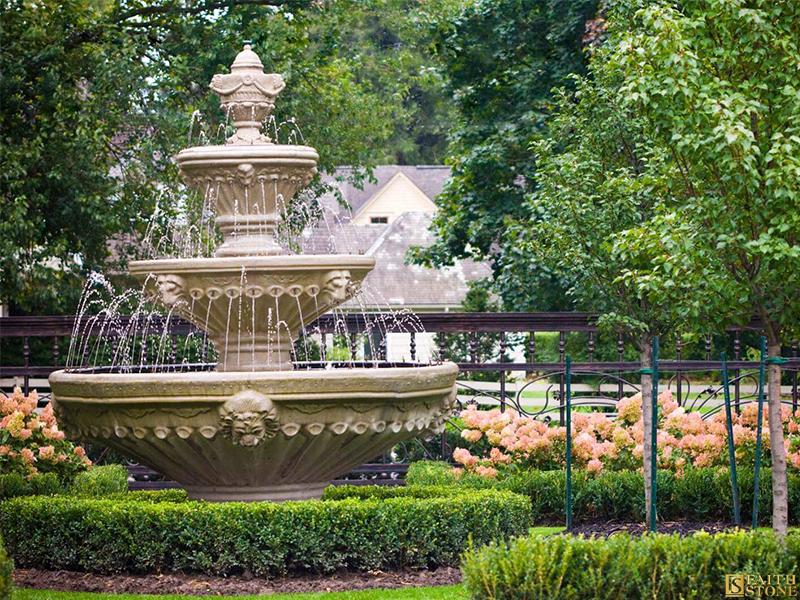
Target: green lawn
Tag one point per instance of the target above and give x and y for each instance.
(448, 592)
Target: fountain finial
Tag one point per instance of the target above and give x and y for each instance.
(248, 95)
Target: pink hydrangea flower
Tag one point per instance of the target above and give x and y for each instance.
(471, 435)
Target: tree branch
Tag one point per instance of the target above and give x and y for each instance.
(205, 7)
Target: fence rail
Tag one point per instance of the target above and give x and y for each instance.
(486, 346)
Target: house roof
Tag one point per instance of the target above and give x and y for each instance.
(393, 282)
(428, 178)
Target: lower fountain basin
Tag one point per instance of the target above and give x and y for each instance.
(255, 435)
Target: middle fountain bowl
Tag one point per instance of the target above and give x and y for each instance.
(253, 308)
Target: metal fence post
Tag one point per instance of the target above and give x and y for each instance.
(654, 440)
(568, 416)
(737, 517)
(759, 425)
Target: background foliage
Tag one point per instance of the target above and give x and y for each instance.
(97, 96)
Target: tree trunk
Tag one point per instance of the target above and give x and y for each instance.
(645, 357)
(780, 494)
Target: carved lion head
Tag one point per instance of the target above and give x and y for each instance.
(170, 289)
(248, 419)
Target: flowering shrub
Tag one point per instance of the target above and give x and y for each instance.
(32, 443)
(508, 441)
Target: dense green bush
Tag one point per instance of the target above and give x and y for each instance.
(652, 566)
(152, 496)
(97, 481)
(700, 494)
(100, 481)
(15, 484)
(6, 568)
(265, 539)
(380, 492)
(430, 472)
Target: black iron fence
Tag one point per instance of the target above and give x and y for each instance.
(505, 359)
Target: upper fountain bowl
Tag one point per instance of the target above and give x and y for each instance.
(250, 186)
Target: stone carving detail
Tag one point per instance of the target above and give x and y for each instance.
(338, 286)
(65, 424)
(247, 95)
(248, 419)
(288, 180)
(170, 289)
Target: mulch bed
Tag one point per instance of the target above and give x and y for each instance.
(607, 528)
(177, 583)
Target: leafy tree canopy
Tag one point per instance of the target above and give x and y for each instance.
(501, 60)
(717, 84)
(97, 96)
(669, 185)
(599, 181)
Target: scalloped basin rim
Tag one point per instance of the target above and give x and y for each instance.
(345, 384)
(300, 262)
(248, 152)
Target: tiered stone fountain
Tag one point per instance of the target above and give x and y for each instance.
(255, 428)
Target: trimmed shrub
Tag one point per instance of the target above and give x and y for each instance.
(699, 494)
(100, 481)
(381, 492)
(653, 566)
(430, 472)
(152, 496)
(265, 539)
(15, 484)
(97, 481)
(6, 569)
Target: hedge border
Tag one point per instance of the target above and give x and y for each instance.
(97, 481)
(6, 571)
(667, 567)
(698, 495)
(264, 539)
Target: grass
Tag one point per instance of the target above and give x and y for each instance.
(446, 592)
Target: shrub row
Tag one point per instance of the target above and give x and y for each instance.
(381, 492)
(6, 568)
(15, 484)
(97, 481)
(265, 539)
(101, 481)
(699, 494)
(657, 566)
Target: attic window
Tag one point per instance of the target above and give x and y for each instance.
(379, 220)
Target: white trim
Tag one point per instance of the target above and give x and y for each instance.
(377, 195)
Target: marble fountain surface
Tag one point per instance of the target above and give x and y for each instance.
(255, 427)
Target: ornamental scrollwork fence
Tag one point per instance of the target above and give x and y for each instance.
(510, 361)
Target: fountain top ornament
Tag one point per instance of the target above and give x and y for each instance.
(248, 95)
(251, 297)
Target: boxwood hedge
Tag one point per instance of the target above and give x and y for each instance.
(6, 569)
(97, 481)
(265, 539)
(380, 492)
(654, 566)
(699, 494)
